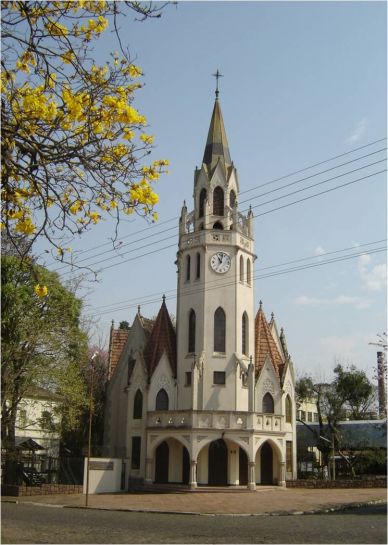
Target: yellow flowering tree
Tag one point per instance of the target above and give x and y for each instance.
(74, 147)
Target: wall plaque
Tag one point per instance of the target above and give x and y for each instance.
(101, 466)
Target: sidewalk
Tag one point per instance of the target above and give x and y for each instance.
(265, 500)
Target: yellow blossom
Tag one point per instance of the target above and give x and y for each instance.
(146, 138)
(25, 226)
(134, 71)
(41, 291)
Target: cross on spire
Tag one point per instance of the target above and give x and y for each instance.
(217, 75)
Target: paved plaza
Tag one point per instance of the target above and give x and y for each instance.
(265, 500)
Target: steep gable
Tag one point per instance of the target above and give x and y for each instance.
(118, 338)
(162, 338)
(265, 345)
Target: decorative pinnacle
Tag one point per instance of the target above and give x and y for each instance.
(272, 315)
(217, 75)
(164, 298)
(260, 304)
(138, 309)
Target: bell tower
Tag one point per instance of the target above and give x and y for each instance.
(215, 297)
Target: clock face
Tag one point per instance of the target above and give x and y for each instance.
(220, 262)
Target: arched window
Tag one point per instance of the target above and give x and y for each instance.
(161, 401)
(268, 404)
(218, 225)
(198, 266)
(188, 266)
(241, 268)
(218, 201)
(232, 199)
(191, 346)
(249, 271)
(288, 409)
(219, 330)
(202, 199)
(138, 406)
(245, 333)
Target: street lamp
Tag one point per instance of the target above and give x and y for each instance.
(90, 427)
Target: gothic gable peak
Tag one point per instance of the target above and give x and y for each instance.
(162, 339)
(265, 345)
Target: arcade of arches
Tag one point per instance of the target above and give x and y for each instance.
(219, 463)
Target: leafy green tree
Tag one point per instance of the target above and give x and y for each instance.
(355, 390)
(349, 394)
(42, 344)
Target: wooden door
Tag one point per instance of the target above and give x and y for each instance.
(185, 466)
(218, 463)
(266, 464)
(242, 466)
(161, 463)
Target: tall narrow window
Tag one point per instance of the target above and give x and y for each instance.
(289, 456)
(138, 405)
(161, 400)
(202, 199)
(241, 268)
(218, 201)
(232, 199)
(219, 330)
(198, 266)
(136, 449)
(244, 333)
(249, 272)
(288, 409)
(268, 404)
(191, 345)
(188, 266)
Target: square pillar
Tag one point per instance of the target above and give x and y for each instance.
(251, 475)
(193, 474)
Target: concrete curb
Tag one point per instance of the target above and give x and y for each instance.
(330, 509)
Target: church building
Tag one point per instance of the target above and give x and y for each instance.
(212, 400)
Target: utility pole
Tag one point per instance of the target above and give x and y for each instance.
(90, 427)
(382, 373)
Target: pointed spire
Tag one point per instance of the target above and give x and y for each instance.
(217, 147)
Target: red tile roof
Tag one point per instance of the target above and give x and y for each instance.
(265, 345)
(162, 338)
(118, 338)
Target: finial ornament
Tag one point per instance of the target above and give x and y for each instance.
(272, 315)
(138, 309)
(217, 75)
(164, 298)
(260, 304)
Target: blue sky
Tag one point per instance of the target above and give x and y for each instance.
(303, 82)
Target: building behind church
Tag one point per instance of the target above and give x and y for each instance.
(212, 400)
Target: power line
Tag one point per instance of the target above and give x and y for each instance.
(298, 260)
(154, 226)
(253, 207)
(257, 277)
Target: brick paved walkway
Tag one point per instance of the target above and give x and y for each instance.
(263, 500)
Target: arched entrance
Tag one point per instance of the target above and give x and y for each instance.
(242, 467)
(185, 466)
(161, 463)
(218, 463)
(266, 464)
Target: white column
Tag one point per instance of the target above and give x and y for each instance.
(193, 474)
(282, 480)
(251, 387)
(251, 475)
(148, 478)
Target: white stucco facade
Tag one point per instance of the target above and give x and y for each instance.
(215, 403)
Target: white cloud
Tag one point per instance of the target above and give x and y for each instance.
(374, 278)
(355, 302)
(357, 132)
(319, 250)
(338, 348)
